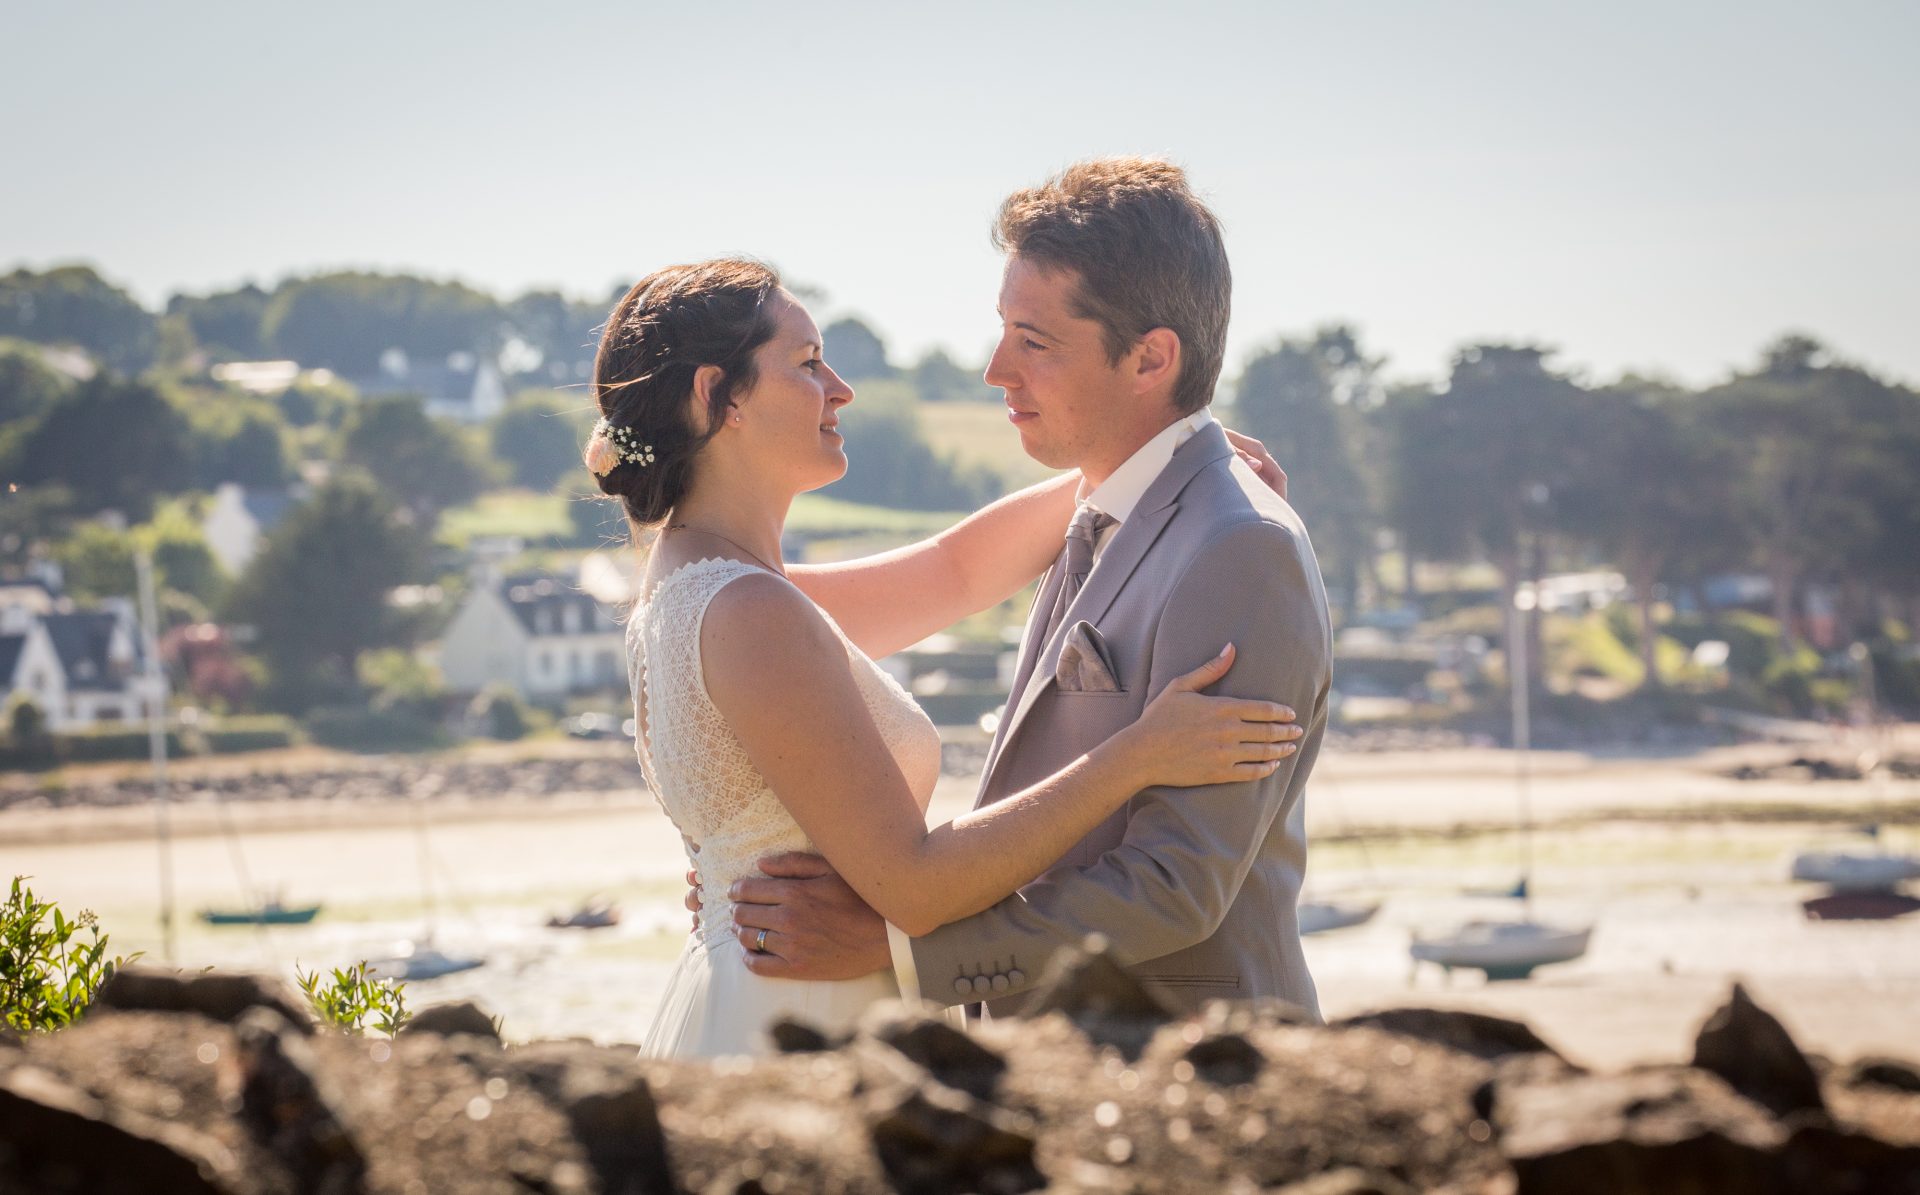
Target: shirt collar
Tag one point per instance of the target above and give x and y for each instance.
(1124, 487)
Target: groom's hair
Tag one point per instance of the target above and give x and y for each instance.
(1148, 254)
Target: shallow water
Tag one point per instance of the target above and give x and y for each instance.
(1680, 909)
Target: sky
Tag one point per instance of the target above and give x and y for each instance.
(1660, 187)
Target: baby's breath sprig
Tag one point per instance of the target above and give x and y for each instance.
(613, 445)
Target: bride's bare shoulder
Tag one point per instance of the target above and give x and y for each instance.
(762, 636)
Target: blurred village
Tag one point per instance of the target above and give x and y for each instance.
(328, 551)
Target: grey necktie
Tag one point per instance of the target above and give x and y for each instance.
(1076, 561)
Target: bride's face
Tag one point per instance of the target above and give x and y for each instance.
(790, 417)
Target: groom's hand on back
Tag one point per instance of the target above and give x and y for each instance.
(817, 927)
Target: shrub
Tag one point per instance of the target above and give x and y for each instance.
(499, 713)
(47, 975)
(92, 746)
(354, 1001)
(265, 732)
(28, 744)
(358, 728)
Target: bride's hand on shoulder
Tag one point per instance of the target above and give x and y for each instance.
(1186, 738)
(1259, 460)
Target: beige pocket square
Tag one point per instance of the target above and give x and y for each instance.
(1085, 666)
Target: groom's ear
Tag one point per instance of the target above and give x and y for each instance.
(1155, 362)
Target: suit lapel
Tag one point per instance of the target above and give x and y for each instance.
(1023, 668)
(1116, 565)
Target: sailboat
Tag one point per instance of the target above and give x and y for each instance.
(1324, 916)
(268, 912)
(1510, 949)
(1861, 873)
(419, 958)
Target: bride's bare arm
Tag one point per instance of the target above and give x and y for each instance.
(892, 600)
(782, 680)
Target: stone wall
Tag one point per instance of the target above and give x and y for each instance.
(219, 1083)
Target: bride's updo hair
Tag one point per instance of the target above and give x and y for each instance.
(670, 324)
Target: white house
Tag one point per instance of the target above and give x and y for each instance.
(239, 518)
(81, 667)
(539, 634)
(466, 388)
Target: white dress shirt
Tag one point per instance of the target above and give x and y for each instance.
(1115, 497)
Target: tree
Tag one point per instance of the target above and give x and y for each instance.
(1827, 449)
(343, 322)
(1479, 465)
(890, 463)
(74, 305)
(538, 438)
(564, 334)
(228, 323)
(1302, 399)
(855, 351)
(96, 561)
(429, 465)
(182, 560)
(28, 389)
(316, 593)
(936, 378)
(238, 438)
(1654, 497)
(117, 445)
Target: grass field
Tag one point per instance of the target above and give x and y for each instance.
(524, 513)
(979, 434)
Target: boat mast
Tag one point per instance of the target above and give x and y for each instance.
(1524, 600)
(157, 741)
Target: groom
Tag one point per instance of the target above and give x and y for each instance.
(1114, 319)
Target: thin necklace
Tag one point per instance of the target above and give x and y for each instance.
(723, 539)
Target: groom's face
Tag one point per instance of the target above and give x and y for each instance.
(1060, 386)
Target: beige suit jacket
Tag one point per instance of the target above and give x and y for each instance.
(1194, 887)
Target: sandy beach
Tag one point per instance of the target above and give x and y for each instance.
(1681, 869)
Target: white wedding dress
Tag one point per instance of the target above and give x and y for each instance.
(722, 806)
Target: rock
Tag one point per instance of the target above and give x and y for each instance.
(946, 1053)
(1890, 1073)
(611, 1110)
(1668, 1129)
(1347, 1181)
(1743, 1044)
(797, 1037)
(216, 996)
(290, 1108)
(1472, 1033)
(1226, 1059)
(462, 1017)
(938, 1141)
(1820, 1157)
(1109, 1004)
(56, 1140)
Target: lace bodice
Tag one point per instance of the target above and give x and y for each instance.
(698, 770)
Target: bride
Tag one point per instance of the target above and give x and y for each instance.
(764, 724)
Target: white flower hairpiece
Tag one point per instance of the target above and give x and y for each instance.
(613, 445)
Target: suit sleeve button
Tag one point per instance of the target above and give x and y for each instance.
(982, 985)
(1016, 976)
(1001, 983)
(963, 986)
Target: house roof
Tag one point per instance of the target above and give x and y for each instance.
(10, 648)
(83, 639)
(529, 593)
